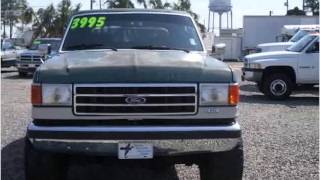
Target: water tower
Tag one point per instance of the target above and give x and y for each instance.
(220, 7)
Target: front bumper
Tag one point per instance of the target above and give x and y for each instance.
(252, 74)
(166, 140)
(8, 62)
(27, 67)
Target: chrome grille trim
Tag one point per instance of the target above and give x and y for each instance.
(171, 105)
(111, 105)
(137, 95)
(28, 58)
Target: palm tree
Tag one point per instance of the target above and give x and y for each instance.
(27, 16)
(119, 4)
(157, 4)
(143, 2)
(185, 5)
(44, 25)
(8, 13)
(64, 11)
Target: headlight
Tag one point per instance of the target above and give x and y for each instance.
(254, 66)
(52, 94)
(219, 94)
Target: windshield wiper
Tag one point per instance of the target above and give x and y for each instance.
(159, 48)
(88, 46)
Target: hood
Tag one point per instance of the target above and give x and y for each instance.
(32, 53)
(271, 55)
(132, 66)
(275, 44)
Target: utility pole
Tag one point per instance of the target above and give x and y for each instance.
(287, 4)
(303, 4)
(100, 4)
(91, 3)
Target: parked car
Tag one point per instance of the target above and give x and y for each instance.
(40, 50)
(278, 73)
(302, 30)
(8, 53)
(134, 84)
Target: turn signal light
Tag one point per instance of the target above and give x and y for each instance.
(234, 94)
(36, 94)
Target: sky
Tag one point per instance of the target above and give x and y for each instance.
(240, 8)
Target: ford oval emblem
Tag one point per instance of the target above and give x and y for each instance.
(135, 100)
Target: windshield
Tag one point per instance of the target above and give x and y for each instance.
(132, 31)
(55, 44)
(301, 44)
(300, 34)
(5, 45)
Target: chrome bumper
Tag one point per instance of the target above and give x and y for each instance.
(254, 75)
(167, 141)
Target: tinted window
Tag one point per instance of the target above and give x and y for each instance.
(301, 44)
(55, 44)
(126, 31)
(314, 48)
(298, 35)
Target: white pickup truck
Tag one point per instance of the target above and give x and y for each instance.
(278, 73)
(297, 32)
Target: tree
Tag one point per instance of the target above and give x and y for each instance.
(50, 22)
(143, 2)
(313, 5)
(44, 25)
(64, 11)
(185, 5)
(119, 4)
(27, 16)
(157, 4)
(296, 12)
(10, 13)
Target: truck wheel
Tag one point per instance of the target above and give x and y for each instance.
(277, 86)
(223, 165)
(260, 87)
(23, 74)
(42, 165)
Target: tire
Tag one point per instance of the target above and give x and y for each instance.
(223, 165)
(277, 86)
(43, 165)
(22, 74)
(260, 87)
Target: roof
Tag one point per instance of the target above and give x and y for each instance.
(134, 10)
(315, 34)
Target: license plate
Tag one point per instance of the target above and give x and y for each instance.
(135, 151)
(32, 65)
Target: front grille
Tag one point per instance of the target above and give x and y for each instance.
(134, 99)
(31, 58)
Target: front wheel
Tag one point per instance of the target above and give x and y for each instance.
(43, 165)
(277, 86)
(22, 74)
(223, 165)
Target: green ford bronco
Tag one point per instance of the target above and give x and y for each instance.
(134, 84)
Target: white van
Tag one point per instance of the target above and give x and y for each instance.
(296, 32)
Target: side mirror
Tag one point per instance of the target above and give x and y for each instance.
(45, 48)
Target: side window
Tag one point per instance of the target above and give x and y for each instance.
(314, 48)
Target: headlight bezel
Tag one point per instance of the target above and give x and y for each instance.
(213, 94)
(254, 66)
(52, 94)
(229, 95)
(57, 94)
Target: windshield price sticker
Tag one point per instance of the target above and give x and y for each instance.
(88, 22)
(36, 42)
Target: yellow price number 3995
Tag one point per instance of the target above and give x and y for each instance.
(88, 22)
